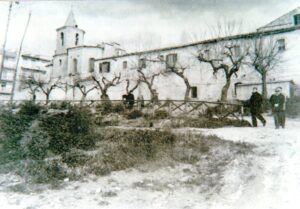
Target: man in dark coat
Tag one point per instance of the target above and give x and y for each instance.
(130, 100)
(255, 104)
(124, 99)
(277, 102)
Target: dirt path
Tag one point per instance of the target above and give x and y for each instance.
(277, 176)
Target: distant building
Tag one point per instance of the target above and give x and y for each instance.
(29, 66)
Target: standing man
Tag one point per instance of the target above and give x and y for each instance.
(277, 102)
(130, 100)
(255, 104)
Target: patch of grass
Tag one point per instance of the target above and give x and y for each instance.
(203, 122)
(160, 114)
(125, 149)
(46, 171)
(118, 108)
(75, 158)
(134, 114)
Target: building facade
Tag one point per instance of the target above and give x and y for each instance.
(30, 66)
(169, 72)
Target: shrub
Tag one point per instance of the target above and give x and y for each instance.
(160, 114)
(30, 109)
(204, 122)
(73, 129)
(74, 158)
(124, 149)
(134, 114)
(12, 127)
(35, 143)
(105, 107)
(118, 108)
(45, 171)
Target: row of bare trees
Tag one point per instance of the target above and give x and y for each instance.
(226, 58)
(260, 54)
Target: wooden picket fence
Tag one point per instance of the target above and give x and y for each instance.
(174, 108)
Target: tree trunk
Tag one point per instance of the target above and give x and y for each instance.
(264, 85)
(47, 98)
(104, 95)
(225, 90)
(187, 93)
(82, 99)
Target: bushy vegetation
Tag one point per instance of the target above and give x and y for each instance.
(118, 107)
(128, 148)
(293, 107)
(203, 122)
(105, 107)
(160, 114)
(134, 114)
(33, 135)
(13, 126)
(48, 145)
(73, 129)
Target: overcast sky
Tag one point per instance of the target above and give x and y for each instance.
(135, 24)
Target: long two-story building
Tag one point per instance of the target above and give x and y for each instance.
(75, 62)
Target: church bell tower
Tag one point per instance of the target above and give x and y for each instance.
(69, 35)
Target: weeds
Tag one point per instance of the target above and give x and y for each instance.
(134, 114)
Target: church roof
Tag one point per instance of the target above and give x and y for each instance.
(71, 20)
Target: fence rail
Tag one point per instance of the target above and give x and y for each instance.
(197, 108)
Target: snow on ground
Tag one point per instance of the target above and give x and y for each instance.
(271, 182)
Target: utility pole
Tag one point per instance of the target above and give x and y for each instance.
(18, 59)
(5, 39)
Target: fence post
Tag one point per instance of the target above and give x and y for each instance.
(169, 107)
(242, 112)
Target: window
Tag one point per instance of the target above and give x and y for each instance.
(237, 51)
(124, 64)
(281, 44)
(171, 60)
(142, 63)
(4, 74)
(206, 53)
(161, 57)
(75, 63)
(3, 85)
(60, 62)
(62, 38)
(104, 67)
(91, 65)
(297, 19)
(194, 93)
(76, 39)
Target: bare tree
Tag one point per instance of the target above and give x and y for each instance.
(264, 56)
(48, 87)
(31, 84)
(148, 79)
(84, 90)
(228, 58)
(104, 84)
(35, 85)
(128, 89)
(180, 70)
(148, 69)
